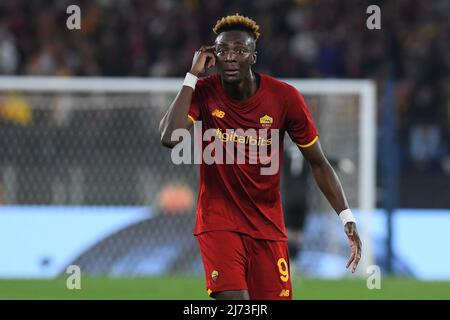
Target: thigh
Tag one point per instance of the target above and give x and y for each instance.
(224, 261)
(269, 271)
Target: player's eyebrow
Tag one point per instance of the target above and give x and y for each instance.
(221, 43)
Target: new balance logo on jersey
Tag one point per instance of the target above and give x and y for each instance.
(217, 113)
(284, 293)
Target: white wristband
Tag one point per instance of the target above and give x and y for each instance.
(190, 80)
(346, 216)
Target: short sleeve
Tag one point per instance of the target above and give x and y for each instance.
(299, 123)
(194, 113)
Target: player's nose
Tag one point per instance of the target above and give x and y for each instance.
(230, 56)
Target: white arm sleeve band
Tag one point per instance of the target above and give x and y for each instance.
(190, 80)
(346, 216)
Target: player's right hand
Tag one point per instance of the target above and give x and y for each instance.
(204, 59)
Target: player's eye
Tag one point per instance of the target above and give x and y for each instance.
(241, 51)
(220, 51)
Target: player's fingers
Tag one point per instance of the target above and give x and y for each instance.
(355, 263)
(350, 260)
(198, 52)
(208, 54)
(357, 256)
(212, 61)
(357, 245)
(203, 57)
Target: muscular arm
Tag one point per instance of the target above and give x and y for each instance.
(176, 117)
(331, 187)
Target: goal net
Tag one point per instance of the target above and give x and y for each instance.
(93, 143)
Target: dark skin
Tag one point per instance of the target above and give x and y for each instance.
(234, 54)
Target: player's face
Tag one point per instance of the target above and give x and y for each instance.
(235, 53)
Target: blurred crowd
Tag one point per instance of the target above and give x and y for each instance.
(299, 38)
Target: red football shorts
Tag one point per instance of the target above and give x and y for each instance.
(235, 261)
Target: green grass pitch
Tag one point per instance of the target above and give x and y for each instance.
(181, 288)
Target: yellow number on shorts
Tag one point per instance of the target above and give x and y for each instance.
(283, 268)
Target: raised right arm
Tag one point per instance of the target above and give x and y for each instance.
(176, 116)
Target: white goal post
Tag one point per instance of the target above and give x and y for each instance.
(365, 90)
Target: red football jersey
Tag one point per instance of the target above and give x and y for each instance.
(237, 197)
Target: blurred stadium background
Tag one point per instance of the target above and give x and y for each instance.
(85, 181)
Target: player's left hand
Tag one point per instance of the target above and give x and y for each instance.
(355, 245)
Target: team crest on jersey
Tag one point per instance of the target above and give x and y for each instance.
(266, 121)
(214, 275)
(218, 113)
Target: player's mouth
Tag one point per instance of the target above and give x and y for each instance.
(231, 73)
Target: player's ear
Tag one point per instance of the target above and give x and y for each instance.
(254, 57)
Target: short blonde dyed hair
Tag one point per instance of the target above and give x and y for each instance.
(237, 22)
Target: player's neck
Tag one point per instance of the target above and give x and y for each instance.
(244, 89)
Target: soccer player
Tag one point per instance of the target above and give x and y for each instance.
(239, 225)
